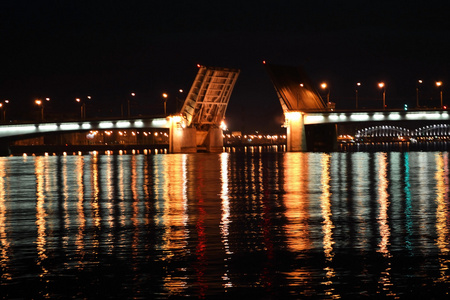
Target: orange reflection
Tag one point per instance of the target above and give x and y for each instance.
(442, 215)
(225, 220)
(41, 214)
(383, 222)
(172, 202)
(79, 239)
(296, 201)
(4, 240)
(383, 201)
(327, 225)
(108, 205)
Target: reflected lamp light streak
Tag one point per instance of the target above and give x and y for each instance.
(5, 244)
(442, 227)
(325, 199)
(383, 201)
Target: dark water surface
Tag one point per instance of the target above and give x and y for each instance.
(262, 225)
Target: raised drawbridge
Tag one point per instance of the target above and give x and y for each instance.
(198, 125)
(298, 96)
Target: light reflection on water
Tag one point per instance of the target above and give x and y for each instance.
(270, 225)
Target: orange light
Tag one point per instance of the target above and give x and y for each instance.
(323, 85)
(38, 102)
(438, 83)
(165, 95)
(381, 85)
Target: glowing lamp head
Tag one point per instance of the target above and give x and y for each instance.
(381, 85)
(323, 85)
(38, 102)
(358, 83)
(133, 94)
(165, 95)
(438, 83)
(78, 99)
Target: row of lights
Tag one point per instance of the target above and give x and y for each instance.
(40, 103)
(382, 86)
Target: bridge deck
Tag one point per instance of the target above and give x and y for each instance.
(322, 117)
(24, 129)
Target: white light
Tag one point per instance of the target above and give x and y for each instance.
(314, 119)
(138, 123)
(86, 126)
(105, 125)
(72, 126)
(123, 124)
(359, 117)
(160, 123)
(378, 116)
(48, 127)
(394, 116)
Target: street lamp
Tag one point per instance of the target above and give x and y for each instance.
(3, 108)
(40, 103)
(179, 100)
(165, 103)
(128, 101)
(419, 82)
(83, 106)
(439, 85)
(381, 85)
(358, 84)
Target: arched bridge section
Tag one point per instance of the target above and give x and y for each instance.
(383, 131)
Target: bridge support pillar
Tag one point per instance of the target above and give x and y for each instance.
(296, 137)
(214, 140)
(181, 139)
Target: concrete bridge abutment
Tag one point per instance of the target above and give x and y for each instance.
(190, 140)
(320, 137)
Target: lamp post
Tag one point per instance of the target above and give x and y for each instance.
(439, 85)
(165, 103)
(358, 84)
(83, 106)
(3, 108)
(40, 103)
(129, 107)
(419, 82)
(324, 86)
(381, 85)
(301, 85)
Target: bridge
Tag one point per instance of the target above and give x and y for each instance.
(196, 127)
(302, 106)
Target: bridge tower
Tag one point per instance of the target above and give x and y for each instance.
(298, 96)
(198, 125)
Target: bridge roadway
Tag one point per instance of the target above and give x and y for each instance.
(352, 116)
(16, 130)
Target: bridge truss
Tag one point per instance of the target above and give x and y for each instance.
(208, 98)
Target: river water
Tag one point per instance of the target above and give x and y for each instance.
(271, 225)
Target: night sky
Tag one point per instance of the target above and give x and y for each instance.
(108, 49)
